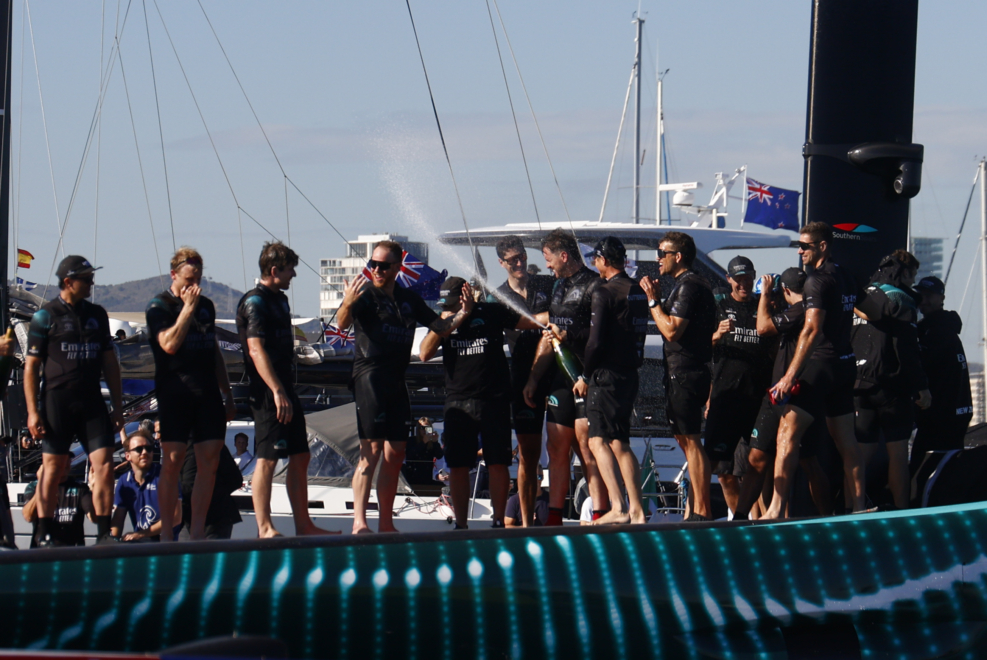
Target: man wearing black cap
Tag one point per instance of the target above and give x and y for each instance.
(741, 374)
(687, 321)
(384, 317)
(614, 352)
(533, 293)
(478, 395)
(70, 338)
(942, 426)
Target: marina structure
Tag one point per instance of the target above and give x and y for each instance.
(928, 251)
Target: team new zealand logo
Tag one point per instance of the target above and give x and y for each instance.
(854, 228)
(92, 324)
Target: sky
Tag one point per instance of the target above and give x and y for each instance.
(339, 90)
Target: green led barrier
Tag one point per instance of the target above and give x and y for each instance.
(911, 585)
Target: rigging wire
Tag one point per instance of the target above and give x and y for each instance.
(157, 106)
(99, 137)
(959, 234)
(140, 166)
(442, 138)
(287, 219)
(616, 146)
(20, 141)
(517, 129)
(531, 108)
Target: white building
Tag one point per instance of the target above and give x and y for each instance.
(977, 390)
(334, 271)
(928, 251)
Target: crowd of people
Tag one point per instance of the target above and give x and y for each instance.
(756, 379)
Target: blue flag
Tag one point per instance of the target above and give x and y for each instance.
(27, 285)
(772, 207)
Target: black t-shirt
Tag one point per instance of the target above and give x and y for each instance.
(385, 329)
(742, 358)
(572, 307)
(265, 314)
(833, 290)
(70, 341)
(789, 324)
(195, 362)
(74, 501)
(524, 343)
(473, 355)
(691, 298)
(618, 326)
(513, 509)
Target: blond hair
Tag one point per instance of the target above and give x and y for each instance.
(184, 254)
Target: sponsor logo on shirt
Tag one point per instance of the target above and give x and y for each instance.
(964, 411)
(469, 346)
(92, 324)
(80, 350)
(476, 323)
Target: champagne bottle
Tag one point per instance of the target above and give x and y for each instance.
(6, 365)
(567, 361)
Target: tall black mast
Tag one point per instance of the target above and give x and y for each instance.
(6, 21)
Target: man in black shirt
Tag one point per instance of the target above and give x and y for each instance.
(741, 374)
(478, 390)
(614, 352)
(824, 368)
(75, 503)
(70, 338)
(531, 293)
(942, 426)
(263, 320)
(384, 317)
(195, 399)
(687, 321)
(569, 314)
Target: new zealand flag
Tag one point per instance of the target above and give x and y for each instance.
(772, 207)
(417, 276)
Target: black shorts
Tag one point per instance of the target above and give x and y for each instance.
(826, 387)
(70, 415)
(272, 439)
(528, 420)
(686, 394)
(737, 465)
(731, 418)
(188, 414)
(879, 411)
(468, 420)
(609, 404)
(765, 434)
(383, 409)
(564, 408)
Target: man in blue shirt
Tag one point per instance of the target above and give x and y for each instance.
(137, 494)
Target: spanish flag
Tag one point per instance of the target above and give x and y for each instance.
(24, 258)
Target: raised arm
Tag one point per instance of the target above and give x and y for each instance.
(171, 339)
(671, 327)
(444, 325)
(430, 344)
(765, 325)
(351, 293)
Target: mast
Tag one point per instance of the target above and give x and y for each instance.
(6, 21)
(635, 213)
(658, 159)
(983, 262)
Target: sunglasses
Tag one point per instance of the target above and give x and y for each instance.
(516, 259)
(382, 265)
(88, 279)
(664, 253)
(140, 449)
(805, 246)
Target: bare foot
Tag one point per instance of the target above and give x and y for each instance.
(312, 530)
(361, 529)
(613, 517)
(771, 514)
(639, 519)
(269, 534)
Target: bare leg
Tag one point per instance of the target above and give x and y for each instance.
(699, 473)
(607, 465)
(206, 462)
(794, 422)
(363, 476)
(818, 485)
(53, 467)
(560, 441)
(297, 483)
(101, 461)
(529, 445)
(260, 490)
(459, 489)
(760, 464)
(898, 472)
(172, 460)
(387, 484)
(630, 469)
(597, 489)
(841, 428)
(731, 490)
(500, 483)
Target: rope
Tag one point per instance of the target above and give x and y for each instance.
(517, 129)
(959, 234)
(442, 138)
(157, 106)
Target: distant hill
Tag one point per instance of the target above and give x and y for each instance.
(134, 296)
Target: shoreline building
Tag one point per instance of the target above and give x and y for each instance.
(928, 251)
(334, 271)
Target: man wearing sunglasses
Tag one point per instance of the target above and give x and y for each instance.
(687, 321)
(532, 293)
(191, 384)
(825, 369)
(70, 337)
(138, 495)
(384, 317)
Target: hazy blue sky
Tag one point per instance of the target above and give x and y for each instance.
(340, 91)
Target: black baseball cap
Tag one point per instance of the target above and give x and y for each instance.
(793, 279)
(612, 249)
(932, 284)
(450, 291)
(74, 265)
(740, 266)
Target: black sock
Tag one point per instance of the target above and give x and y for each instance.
(498, 524)
(45, 526)
(102, 526)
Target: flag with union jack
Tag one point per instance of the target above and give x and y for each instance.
(772, 207)
(417, 276)
(336, 337)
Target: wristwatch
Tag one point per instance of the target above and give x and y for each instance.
(652, 303)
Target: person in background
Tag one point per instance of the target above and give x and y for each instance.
(137, 494)
(244, 459)
(512, 515)
(75, 504)
(942, 426)
(422, 451)
(686, 321)
(223, 512)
